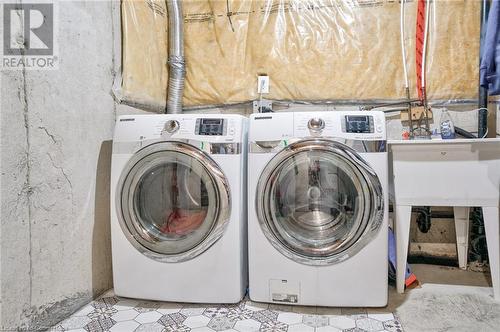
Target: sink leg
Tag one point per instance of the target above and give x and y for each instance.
(462, 233)
(491, 223)
(402, 234)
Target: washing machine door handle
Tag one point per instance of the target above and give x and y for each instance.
(268, 144)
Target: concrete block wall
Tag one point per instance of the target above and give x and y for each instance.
(56, 130)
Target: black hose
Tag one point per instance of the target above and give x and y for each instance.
(478, 250)
(424, 222)
(464, 133)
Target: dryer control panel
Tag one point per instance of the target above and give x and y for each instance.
(212, 128)
(358, 124)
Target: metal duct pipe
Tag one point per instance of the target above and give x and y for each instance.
(176, 64)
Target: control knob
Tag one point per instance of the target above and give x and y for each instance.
(316, 124)
(171, 126)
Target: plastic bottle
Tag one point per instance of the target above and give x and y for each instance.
(446, 126)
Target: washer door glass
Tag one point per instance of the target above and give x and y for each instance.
(174, 201)
(318, 202)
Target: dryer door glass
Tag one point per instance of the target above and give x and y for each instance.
(318, 202)
(171, 201)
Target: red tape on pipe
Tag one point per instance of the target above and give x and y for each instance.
(419, 47)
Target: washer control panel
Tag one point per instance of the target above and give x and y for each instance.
(358, 124)
(211, 126)
(353, 125)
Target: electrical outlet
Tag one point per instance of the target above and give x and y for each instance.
(263, 84)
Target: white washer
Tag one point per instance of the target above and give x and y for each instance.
(178, 216)
(317, 198)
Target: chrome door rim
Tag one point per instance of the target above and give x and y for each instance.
(131, 226)
(373, 201)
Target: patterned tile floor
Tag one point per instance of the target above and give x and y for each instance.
(112, 313)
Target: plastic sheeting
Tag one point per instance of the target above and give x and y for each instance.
(314, 50)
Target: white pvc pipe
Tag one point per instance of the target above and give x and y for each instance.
(403, 45)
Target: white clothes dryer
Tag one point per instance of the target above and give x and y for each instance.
(317, 198)
(178, 216)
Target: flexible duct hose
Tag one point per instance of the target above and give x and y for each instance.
(176, 63)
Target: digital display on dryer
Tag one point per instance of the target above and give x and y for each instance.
(212, 127)
(359, 124)
(212, 121)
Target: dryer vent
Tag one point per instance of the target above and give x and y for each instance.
(176, 64)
